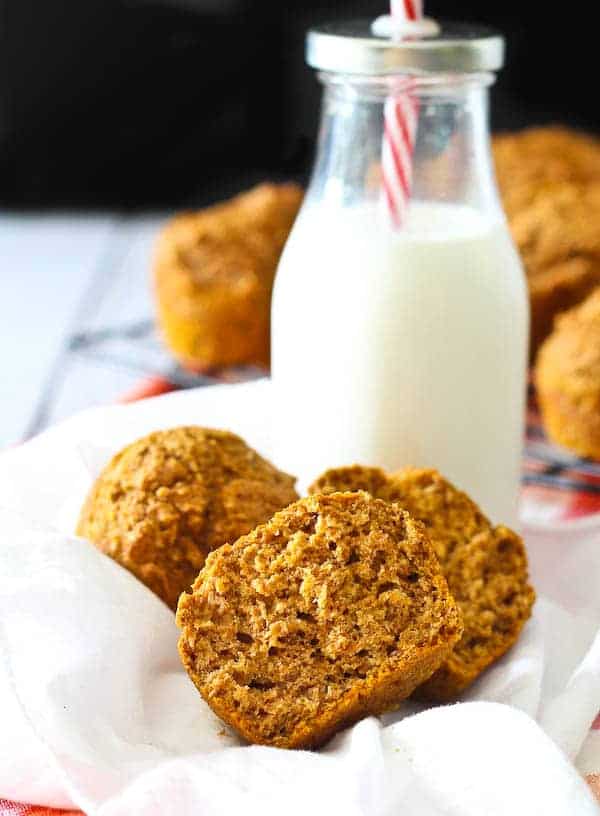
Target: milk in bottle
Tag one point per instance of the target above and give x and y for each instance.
(396, 347)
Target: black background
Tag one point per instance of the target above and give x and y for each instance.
(128, 103)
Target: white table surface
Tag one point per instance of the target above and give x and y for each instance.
(63, 277)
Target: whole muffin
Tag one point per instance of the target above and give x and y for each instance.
(531, 158)
(214, 273)
(549, 179)
(333, 610)
(165, 501)
(558, 236)
(567, 378)
(485, 566)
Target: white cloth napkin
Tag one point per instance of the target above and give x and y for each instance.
(96, 711)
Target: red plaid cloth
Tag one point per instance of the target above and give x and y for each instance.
(557, 488)
(557, 485)
(18, 809)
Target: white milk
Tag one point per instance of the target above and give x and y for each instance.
(403, 349)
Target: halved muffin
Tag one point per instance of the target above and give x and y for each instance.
(485, 566)
(334, 610)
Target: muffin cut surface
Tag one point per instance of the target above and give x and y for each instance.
(485, 566)
(165, 501)
(334, 610)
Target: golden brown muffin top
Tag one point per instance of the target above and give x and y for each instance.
(531, 158)
(312, 613)
(569, 360)
(235, 243)
(557, 232)
(165, 501)
(485, 566)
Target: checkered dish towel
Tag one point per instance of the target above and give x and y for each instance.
(96, 712)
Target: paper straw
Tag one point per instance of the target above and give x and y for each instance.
(401, 116)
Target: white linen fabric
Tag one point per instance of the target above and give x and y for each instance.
(96, 711)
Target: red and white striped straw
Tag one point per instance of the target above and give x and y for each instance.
(407, 9)
(401, 116)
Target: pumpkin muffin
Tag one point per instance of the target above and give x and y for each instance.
(549, 180)
(485, 566)
(567, 377)
(334, 610)
(214, 273)
(558, 236)
(531, 158)
(165, 501)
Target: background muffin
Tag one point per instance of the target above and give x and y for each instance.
(549, 179)
(567, 376)
(333, 610)
(214, 272)
(165, 501)
(558, 236)
(529, 159)
(485, 566)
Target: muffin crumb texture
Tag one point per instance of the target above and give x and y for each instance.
(165, 501)
(334, 610)
(485, 566)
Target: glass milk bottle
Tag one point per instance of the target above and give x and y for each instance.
(396, 346)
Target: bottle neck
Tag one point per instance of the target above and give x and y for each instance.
(451, 160)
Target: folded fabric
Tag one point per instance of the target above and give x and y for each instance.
(98, 714)
(19, 809)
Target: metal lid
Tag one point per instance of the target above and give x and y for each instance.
(353, 48)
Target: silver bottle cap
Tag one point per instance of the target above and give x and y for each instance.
(353, 48)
